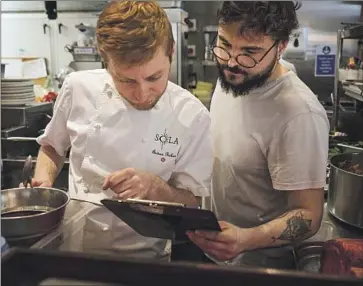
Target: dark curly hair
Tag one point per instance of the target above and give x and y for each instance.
(274, 18)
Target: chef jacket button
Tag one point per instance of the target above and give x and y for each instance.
(90, 158)
(97, 126)
(109, 93)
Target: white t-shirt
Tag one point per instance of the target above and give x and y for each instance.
(289, 66)
(266, 143)
(106, 134)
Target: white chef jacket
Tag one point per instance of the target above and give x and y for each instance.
(106, 134)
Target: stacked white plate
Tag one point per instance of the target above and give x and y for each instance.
(17, 91)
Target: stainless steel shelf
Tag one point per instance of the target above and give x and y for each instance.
(355, 32)
(354, 91)
(354, 95)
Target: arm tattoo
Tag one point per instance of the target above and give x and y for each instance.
(296, 228)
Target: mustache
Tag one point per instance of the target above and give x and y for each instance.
(234, 69)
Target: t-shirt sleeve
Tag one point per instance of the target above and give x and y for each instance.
(193, 170)
(56, 133)
(298, 154)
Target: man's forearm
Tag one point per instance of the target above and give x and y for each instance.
(48, 165)
(164, 192)
(291, 227)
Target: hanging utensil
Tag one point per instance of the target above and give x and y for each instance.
(27, 172)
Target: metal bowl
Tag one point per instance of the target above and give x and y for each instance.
(345, 195)
(32, 212)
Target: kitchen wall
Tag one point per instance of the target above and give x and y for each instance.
(321, 20)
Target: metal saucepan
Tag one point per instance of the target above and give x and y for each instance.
(31, 212)
(345, 195)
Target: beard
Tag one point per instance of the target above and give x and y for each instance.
(249, 82)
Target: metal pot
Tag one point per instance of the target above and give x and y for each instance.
(345, 195)
(31, 212)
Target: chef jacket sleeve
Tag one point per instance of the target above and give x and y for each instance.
(193, 170)
(56, 134)
(297, 156)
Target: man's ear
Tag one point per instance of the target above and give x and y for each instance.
(282, 47)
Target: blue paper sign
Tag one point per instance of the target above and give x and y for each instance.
(325, 61)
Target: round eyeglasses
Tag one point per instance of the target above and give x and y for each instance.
(243, 60)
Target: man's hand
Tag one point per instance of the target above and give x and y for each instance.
(224, 245)
(130, 183)
(39, 183)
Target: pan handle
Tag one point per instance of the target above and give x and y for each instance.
(350, 147)
(21, 139)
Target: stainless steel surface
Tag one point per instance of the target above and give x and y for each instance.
(345, 195)
(178, 70)
(20, 126)
(37, 113)
(308, 252)
(27, 172)
(336, 102)
(85, 233)
(71, 235)
(78, 66)
(342, 35)
(32, 212)
(308, 256)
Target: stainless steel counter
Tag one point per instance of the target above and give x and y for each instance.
(333, 228)
(70, 236)
(80, 232)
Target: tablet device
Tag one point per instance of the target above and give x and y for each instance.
(162, 219)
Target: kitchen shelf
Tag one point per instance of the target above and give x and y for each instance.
(354, 89)
(354, 95)
(351, 31)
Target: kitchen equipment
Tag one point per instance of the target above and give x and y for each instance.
(23, 122)
(307, 256)
(31, 212)
(179, 65)
(27, 172)
(345, 195)
(83, 54)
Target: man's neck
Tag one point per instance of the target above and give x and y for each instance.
(277, 72)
